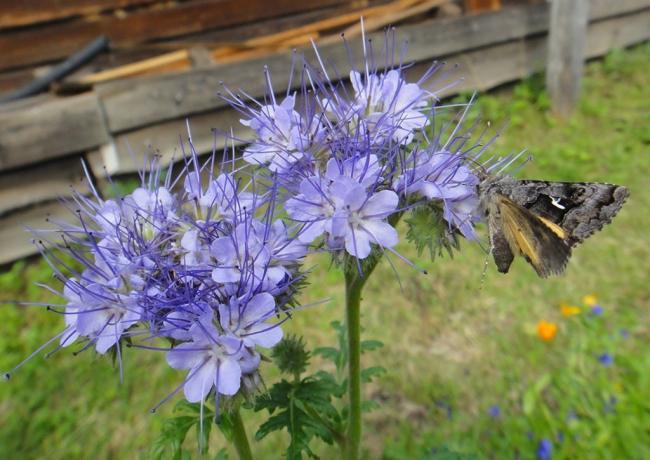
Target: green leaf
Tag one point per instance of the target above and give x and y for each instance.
(304, 409)
(371, 372)
(169, 444)
(370, 345)
(369, 405)
(329, 353)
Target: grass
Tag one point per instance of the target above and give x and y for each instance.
(456, 342)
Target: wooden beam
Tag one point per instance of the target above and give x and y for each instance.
(127, 151)
(565, 63)
(41, 182)
(51, 129)
(25, 12)
(481, 69)
(23, 47)
(16, 241)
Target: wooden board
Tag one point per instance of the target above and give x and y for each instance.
(16, 240)
(175, 95)
(126, 154)
(40, 183)
(481, 70)
(22, 47)
(24, 12)
(50, 129)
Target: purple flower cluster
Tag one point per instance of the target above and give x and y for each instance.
(208, 261)
(205, 269)
(350, 157)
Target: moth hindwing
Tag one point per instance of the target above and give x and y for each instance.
(542, 220)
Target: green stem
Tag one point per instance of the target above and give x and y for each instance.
(354, 282)
(239, 437)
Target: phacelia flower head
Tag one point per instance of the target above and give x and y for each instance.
(198, 264)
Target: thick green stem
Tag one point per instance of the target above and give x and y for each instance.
(354, 281)
(239, 437)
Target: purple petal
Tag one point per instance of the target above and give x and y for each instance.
(201, 379)
(381, 233)
(381, 204)
(229, 377)
(357, 244)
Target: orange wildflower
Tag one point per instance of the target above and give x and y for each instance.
(546, 330)
(569, 310)
(590, 300)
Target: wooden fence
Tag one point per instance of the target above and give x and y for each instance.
(42, 140)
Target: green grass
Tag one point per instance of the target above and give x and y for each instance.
(455, 342)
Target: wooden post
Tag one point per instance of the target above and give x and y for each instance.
(566, 48)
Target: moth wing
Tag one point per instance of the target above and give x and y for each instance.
(499, 245)
(540, 241)
(580, 208)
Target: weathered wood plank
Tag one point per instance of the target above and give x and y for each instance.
(127, 153)
(25, 12)
(481, 70)
(16, 240)
(40, 183)
(494, 66)
(565, 62)
(22, 47)
(51, 129)
(176, 95)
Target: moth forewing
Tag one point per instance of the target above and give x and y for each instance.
(538, 240)
(542, 220)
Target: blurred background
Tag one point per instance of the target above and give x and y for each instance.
(477, 363)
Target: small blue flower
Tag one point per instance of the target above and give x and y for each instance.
(494, 411)
(624, 333)
(606, 359)
(597, 310)
(544, 449)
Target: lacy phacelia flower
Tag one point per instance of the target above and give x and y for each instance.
(388, 106)
(344, 211)
(443, 176)
(203, 266)
(283, 135)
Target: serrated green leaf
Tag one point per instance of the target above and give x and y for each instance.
(304, 409)
(329, 353)
(371, 372)
(225, 425)
(371, 345)
(369, 405)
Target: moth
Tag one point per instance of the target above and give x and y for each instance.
(542, 221)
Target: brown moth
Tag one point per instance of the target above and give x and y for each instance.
(542, 221)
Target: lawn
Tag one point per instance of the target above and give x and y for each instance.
(465, 368)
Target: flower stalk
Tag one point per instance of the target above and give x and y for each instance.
(239, 438)
(354, 282)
